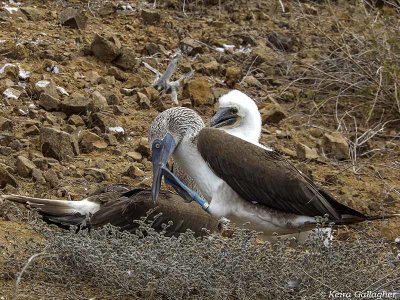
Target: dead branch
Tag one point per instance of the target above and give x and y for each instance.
(162, 81)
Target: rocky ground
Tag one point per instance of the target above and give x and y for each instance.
(77, 98)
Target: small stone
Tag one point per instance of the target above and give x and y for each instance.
(107, 8)
(16, 145)
(105, 48)
(92, 76)
(134, 172)
(51, 177)
(262, 54)
(76, 120)
(118, 74)
(134, 81)
(6, 124)
(73, 18)
(108, 80)
(11, 93)
(58, 144)
(127, 59)
(6, 178)
(41, 163)
(32, 13)
(49, 102)
(151, 49)
(143, 147)
(112, 98)
(24, 166)
(5, 150)
(11, 72)
(143, 101)
(120, 110)
(199, 92)
(31, 130)
(305, 152)
(46, 86)
(99, 102)
(104, 121)
(280, 41)
(315, 132)
(90, 141)
(191, 46)
(211, 68)
(233, 75)
(111, 139)
(75, 104)
(136, 156)
(99, 175)
(335, 146)
(150, 17)
(38, 177)
(272, 113)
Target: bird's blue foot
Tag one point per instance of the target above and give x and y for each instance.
(183, 191)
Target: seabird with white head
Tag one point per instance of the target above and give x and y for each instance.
(238, 115)
(240, 181)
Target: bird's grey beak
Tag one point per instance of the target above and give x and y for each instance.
(225, 116)
(161, 152)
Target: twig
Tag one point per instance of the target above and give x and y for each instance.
(162, 81)
(30, 260)
(282, 6)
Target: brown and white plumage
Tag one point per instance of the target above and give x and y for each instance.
(243, 181)
(122, 206)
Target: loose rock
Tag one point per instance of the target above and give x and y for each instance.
(305, 152)
(6, 178)
(105, 49)
(73, 18)
(335, 146)
(49, 102)
(6, 124)
(199, 92)
(272, 113)
(75, 104)
(90, 142)
(58, 144)
(191, 47)
(280, 41)
(24, 166)
(134, 172)
(150, 17)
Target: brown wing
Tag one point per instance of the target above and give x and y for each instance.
(134, 205)
(265, 177)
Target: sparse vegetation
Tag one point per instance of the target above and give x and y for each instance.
(117, 264)
(331, 66)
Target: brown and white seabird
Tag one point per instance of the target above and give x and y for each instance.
(240, 180)
(122, 205)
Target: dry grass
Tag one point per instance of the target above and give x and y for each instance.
(118, 264)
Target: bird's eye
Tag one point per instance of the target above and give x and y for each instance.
(157, 145)
(234, 110)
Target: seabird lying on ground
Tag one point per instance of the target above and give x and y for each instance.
(242, 181)
(120, 205)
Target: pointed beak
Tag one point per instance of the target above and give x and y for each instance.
(225, 116)
(161, 152)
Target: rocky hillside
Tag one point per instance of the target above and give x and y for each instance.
(77, 95)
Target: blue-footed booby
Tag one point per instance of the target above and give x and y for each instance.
(122, 205)
(240, 180)
(238, 115)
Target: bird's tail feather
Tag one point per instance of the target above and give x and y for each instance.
(61, 212)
